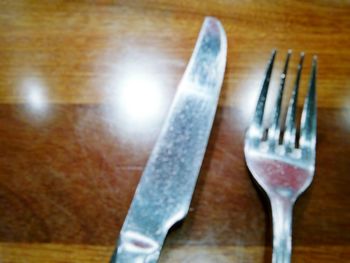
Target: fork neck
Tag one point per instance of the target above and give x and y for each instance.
(282, 229)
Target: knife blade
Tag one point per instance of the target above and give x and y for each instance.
(165, 190)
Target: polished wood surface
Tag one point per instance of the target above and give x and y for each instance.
(84, 89)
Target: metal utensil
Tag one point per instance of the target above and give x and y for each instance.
(164, 193)
(283, 169)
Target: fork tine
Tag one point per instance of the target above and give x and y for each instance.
(309, 114)
(260, 106)
(274, 131)
(290, 130)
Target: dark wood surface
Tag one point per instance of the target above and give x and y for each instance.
(84, 89)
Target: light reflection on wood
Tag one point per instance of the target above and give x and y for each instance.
(71, 156)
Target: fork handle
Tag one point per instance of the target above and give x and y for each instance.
(282, 229)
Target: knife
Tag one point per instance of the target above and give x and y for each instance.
(164, 192)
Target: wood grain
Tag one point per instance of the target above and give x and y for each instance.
(55, 253)
(84, 90)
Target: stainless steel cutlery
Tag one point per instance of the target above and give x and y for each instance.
(280, 158)
(282, 162)
(165, 190)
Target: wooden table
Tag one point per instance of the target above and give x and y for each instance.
(84, 89)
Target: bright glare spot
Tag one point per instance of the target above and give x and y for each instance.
(140, 98)
(34, 96)
(248, 95)
(136, 104)
(136, 95)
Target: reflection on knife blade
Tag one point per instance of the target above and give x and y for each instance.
(165, 190)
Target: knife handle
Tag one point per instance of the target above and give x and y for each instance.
(137, 248)
(129, 256)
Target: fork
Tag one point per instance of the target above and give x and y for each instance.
(281, 161)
